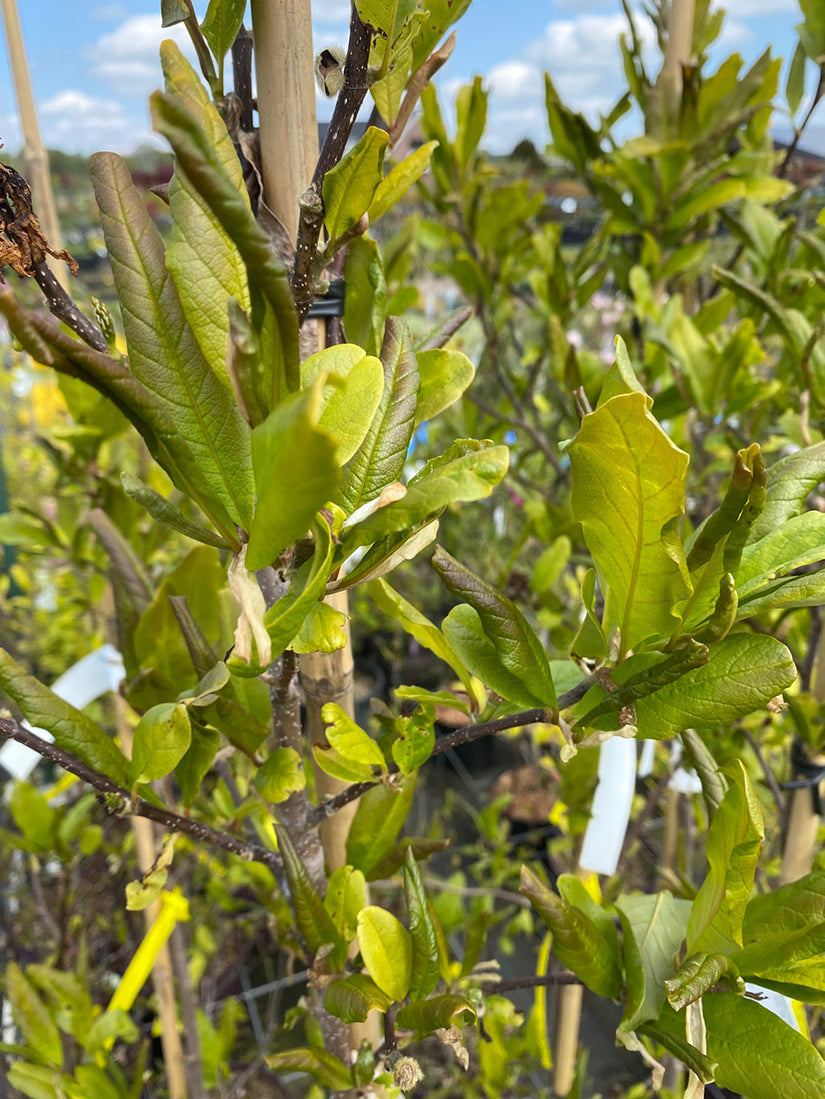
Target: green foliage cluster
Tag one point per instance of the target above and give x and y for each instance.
(674, 589)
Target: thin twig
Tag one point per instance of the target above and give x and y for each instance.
(770, 778)
(64, 308)
(346, 111)
(465, 735)
(530, 982)
(172, 822)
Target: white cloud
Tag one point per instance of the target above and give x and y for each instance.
(126, 59)
(77, 122)
(760, 7)
(110, 12)
(583, 58)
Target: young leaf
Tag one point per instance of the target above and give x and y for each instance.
(352, 998)
(436, 1013)
(386, 948)
(733, 844)
(388, 17)
(350, 185)
(628, 493)
(162, 737)
(32, 1017)
(221, 24)
(346, 895)
(349, 740)
(414, 746)
(196, 761)
(351, 389)
(72, 730)
(515, 643)
(204, 170)
(790, 482)
(163, 352)
(399, 180)
(424, 975)
(289, 492)
(417, 626)
(281, 774)
(380, 459)
(163, 512)
(380, 815)
(578, 942)
(445, 375)
(326, 1069)
(313, 920)
(365, 305)
(205, 264)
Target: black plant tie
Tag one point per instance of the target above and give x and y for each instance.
(810, 774)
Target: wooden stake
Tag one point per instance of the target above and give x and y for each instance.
(35, 156)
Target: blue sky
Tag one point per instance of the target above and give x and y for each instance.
(93, 63)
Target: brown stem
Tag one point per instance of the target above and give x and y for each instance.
(172, 822)
(770, 779)
(530, 982)
(346, 111)
(416, 86)
(64, 308)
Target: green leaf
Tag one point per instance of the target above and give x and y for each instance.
(349, 186)
(35, 1081)
(385, 556)
(221, 24)
(578, 942)
(366, 298)
(33, 815)
(386, 948)
(326, 1069)
(72, 730)
(798, 541)
(354, 997)
(196, 761)
(758, 1054)
(386, 16)
(205, 264)
(669, 1031)
(281, 774)
(173, 11)
(380, 459)
(110, 1025)
(440, 15)
(437, 1013)
(653, 928)
(790, 482)
(424, 974)
(697, 975)
(163, 512)
(285, 617)
(399, 180)
(289, 492)
(162, 737)
(744, 672)
(445, 375)
(313, 920)
(628, 494)
(418, 626)
(32, 1016)
(346, 895)
(516, 646)
(469, 470)
(351, 388)
(163, 353)
(416, 741)
(18, 530)
(349, 740)
(783, 935)
(464, 631)
(324, 630)
(380, 815)
(205, 171)
(795, 84)
(733, 844)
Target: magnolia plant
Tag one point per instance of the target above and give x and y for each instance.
(282, 477)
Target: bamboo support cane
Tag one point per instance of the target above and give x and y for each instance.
(35, 156)
(282, 30)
